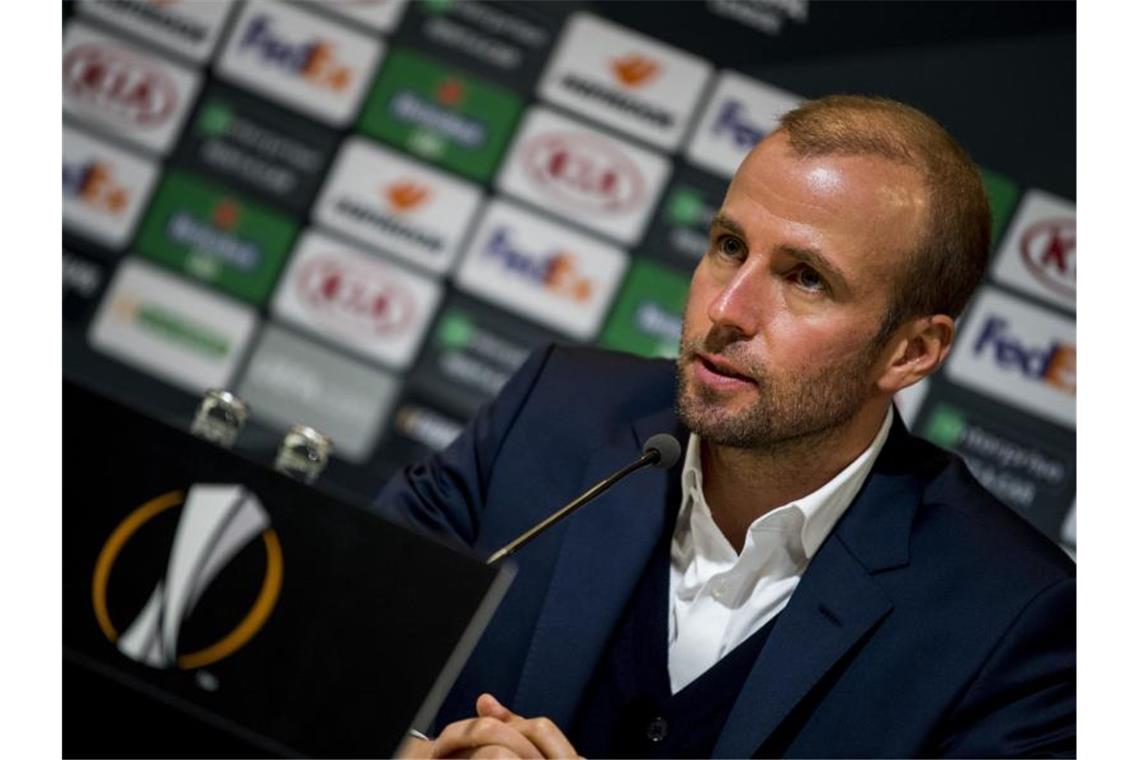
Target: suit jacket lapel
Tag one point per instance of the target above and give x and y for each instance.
(603, 553)
(836, 604)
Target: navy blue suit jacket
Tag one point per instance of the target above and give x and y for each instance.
(933, 621)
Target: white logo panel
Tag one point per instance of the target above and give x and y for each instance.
(1020, 354)
(402, 207)
(370, 306)
(120, 89)
(585, 175)
(1039, 254)
(104, 188)
(625, 80)
(305, 61)
(176, 331)
(541, 270)
(381, 15)
(740, 113)
(190, 28)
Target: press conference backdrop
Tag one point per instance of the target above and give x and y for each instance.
(361, 216)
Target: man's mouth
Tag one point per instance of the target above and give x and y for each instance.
(716, 371)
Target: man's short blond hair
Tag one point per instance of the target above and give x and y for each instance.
(949, 261)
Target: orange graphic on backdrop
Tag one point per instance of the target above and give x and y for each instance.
(450, 92)
(634, 70)
(226, 214)
(405, 195)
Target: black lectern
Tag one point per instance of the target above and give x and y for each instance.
(213, 607)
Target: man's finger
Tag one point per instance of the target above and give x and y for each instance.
(546, 735)
(465, 736)
(486, 706)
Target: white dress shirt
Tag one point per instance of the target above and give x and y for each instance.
(717, 598)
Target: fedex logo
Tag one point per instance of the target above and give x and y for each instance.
(1054, 363)
(732, 119)
(556, 272)
(1019, 353)
(92, 183)
(313, 59)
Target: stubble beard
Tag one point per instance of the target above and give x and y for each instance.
(788, 411)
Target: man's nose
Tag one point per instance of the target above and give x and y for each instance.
(741, 303)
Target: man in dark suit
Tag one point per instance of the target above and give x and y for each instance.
(818, 582)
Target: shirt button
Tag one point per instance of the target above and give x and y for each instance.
(719, 591)
(657, 730)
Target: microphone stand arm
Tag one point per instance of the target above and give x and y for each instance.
(648, 458)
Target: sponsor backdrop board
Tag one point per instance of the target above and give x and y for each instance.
(172, 329)
(471, 352)
(440, 113)
(541, 270)
(104, 188)
(187, 28)
(300, 59)
(740, 113)
(584, 175)
(625, 80)
(1039, 256)
(216, 236)
(396, 205)
(505, 44)
(291, 380)
(412, 194)
(1020, 353)
(370, 306)
(125, 90)
(270, 152)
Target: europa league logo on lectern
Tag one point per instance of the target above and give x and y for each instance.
(216, 522)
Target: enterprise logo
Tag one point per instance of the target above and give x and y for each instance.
(215, 523)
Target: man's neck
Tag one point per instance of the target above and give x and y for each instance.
(742, 485)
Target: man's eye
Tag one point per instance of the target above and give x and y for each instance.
(730, 246)
(809, 279)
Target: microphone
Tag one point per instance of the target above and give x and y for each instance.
(661, 450)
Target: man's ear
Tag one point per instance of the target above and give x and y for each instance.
(916, 350)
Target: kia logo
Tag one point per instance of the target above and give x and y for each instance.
(1049, 249)
(586, 172)
(364, 298)
(120, 83)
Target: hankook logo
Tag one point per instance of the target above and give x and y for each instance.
(215, 523)
(1049, 249)
(119, 82)
(357, 297)
(586, 172)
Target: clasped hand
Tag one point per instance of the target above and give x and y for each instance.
(495, 732)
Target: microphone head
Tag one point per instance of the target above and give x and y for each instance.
(667, 448)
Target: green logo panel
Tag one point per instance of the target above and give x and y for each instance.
(441, 114)
(213, 235)
(646, 319)
(1002, 193)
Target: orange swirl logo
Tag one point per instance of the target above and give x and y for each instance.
(216, 522)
